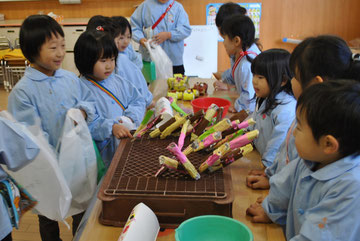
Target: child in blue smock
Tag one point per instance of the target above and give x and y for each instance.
(16, 151)
(170, 31)
(125, 67)
(226, 10)
(47, 92)
(314, 60)
(239, 41)
(317, 196)
(116, 99)
(123, 34)
(275, 103)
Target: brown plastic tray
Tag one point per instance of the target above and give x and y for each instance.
(173, 196)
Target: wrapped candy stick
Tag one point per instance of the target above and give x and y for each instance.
(171, 128)
(183, 134)
(189, 167)
(175, 106)
(158, 131)
(148, 126)
(211, 111)
(222, 150)
(198, 145)
(146, 119)
(229, 138)
(231, 157)
(246, 123)
(217, 154)
(221, 126)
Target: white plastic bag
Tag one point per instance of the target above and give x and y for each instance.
(42, 178)
(77, 160)
(163, 67)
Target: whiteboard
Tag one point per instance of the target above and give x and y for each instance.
(200, 51)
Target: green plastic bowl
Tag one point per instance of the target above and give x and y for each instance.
(213, 228)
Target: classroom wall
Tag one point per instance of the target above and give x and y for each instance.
(280, 18)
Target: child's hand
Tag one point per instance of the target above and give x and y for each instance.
(232, 109)
(120, 131)
(218, 75)
(260, 199)
(161, 37)
(258, 214)
(218, 85)
(257, 173)
(143, 41)
(257, 182)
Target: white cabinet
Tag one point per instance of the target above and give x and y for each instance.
(72, 33)
(12, 33)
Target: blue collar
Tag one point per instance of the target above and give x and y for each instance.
(36, 75)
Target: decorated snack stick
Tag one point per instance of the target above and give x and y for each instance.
(158, 131)
(221, 126)
(230, 157)
(148, 126)
(170, 129)
(241, 116)
(219, 114)
(246, 124)
(244, 139)
(175, 106)
(211, 111)
(146, 119)
(235, 123)
(230, 137)
(189, 167)
(209, 140)
(183, 134)
(198, 145)
(217, 154)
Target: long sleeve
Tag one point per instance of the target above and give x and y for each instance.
(227, 77)
(137, 23)
(245, 88)
(276, 203)
(16, 148)
(182, 28)
(134, 56)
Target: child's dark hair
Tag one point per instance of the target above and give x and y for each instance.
(92, 46)
(242, 26)
(326, 56)
(99, 22)
(120, 24)
(227, 10)
(34, 32)
(273, 64)
(333, 108)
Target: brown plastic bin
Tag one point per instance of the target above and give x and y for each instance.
(173, 196)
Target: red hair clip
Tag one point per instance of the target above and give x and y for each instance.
(100, 28)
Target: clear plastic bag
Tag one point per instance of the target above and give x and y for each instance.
(77, 160)
(43, 178)
(164, 69)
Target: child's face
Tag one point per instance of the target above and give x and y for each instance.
(122, 41)
(261, 86)
(103, 68)
(231, 45)
(51, 55)
(306, 145)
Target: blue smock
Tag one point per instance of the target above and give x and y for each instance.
(134, 56)
(127, 70)
(243, 82)
(49, 98)
(109, 109)
(16, 150)
(317, 205)
(176, 22)
(273, 126)
(286, 154)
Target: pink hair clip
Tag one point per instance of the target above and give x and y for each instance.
(100, 28)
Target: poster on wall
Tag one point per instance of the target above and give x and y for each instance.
(253, 10)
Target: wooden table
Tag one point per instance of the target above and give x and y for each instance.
(92, 230)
